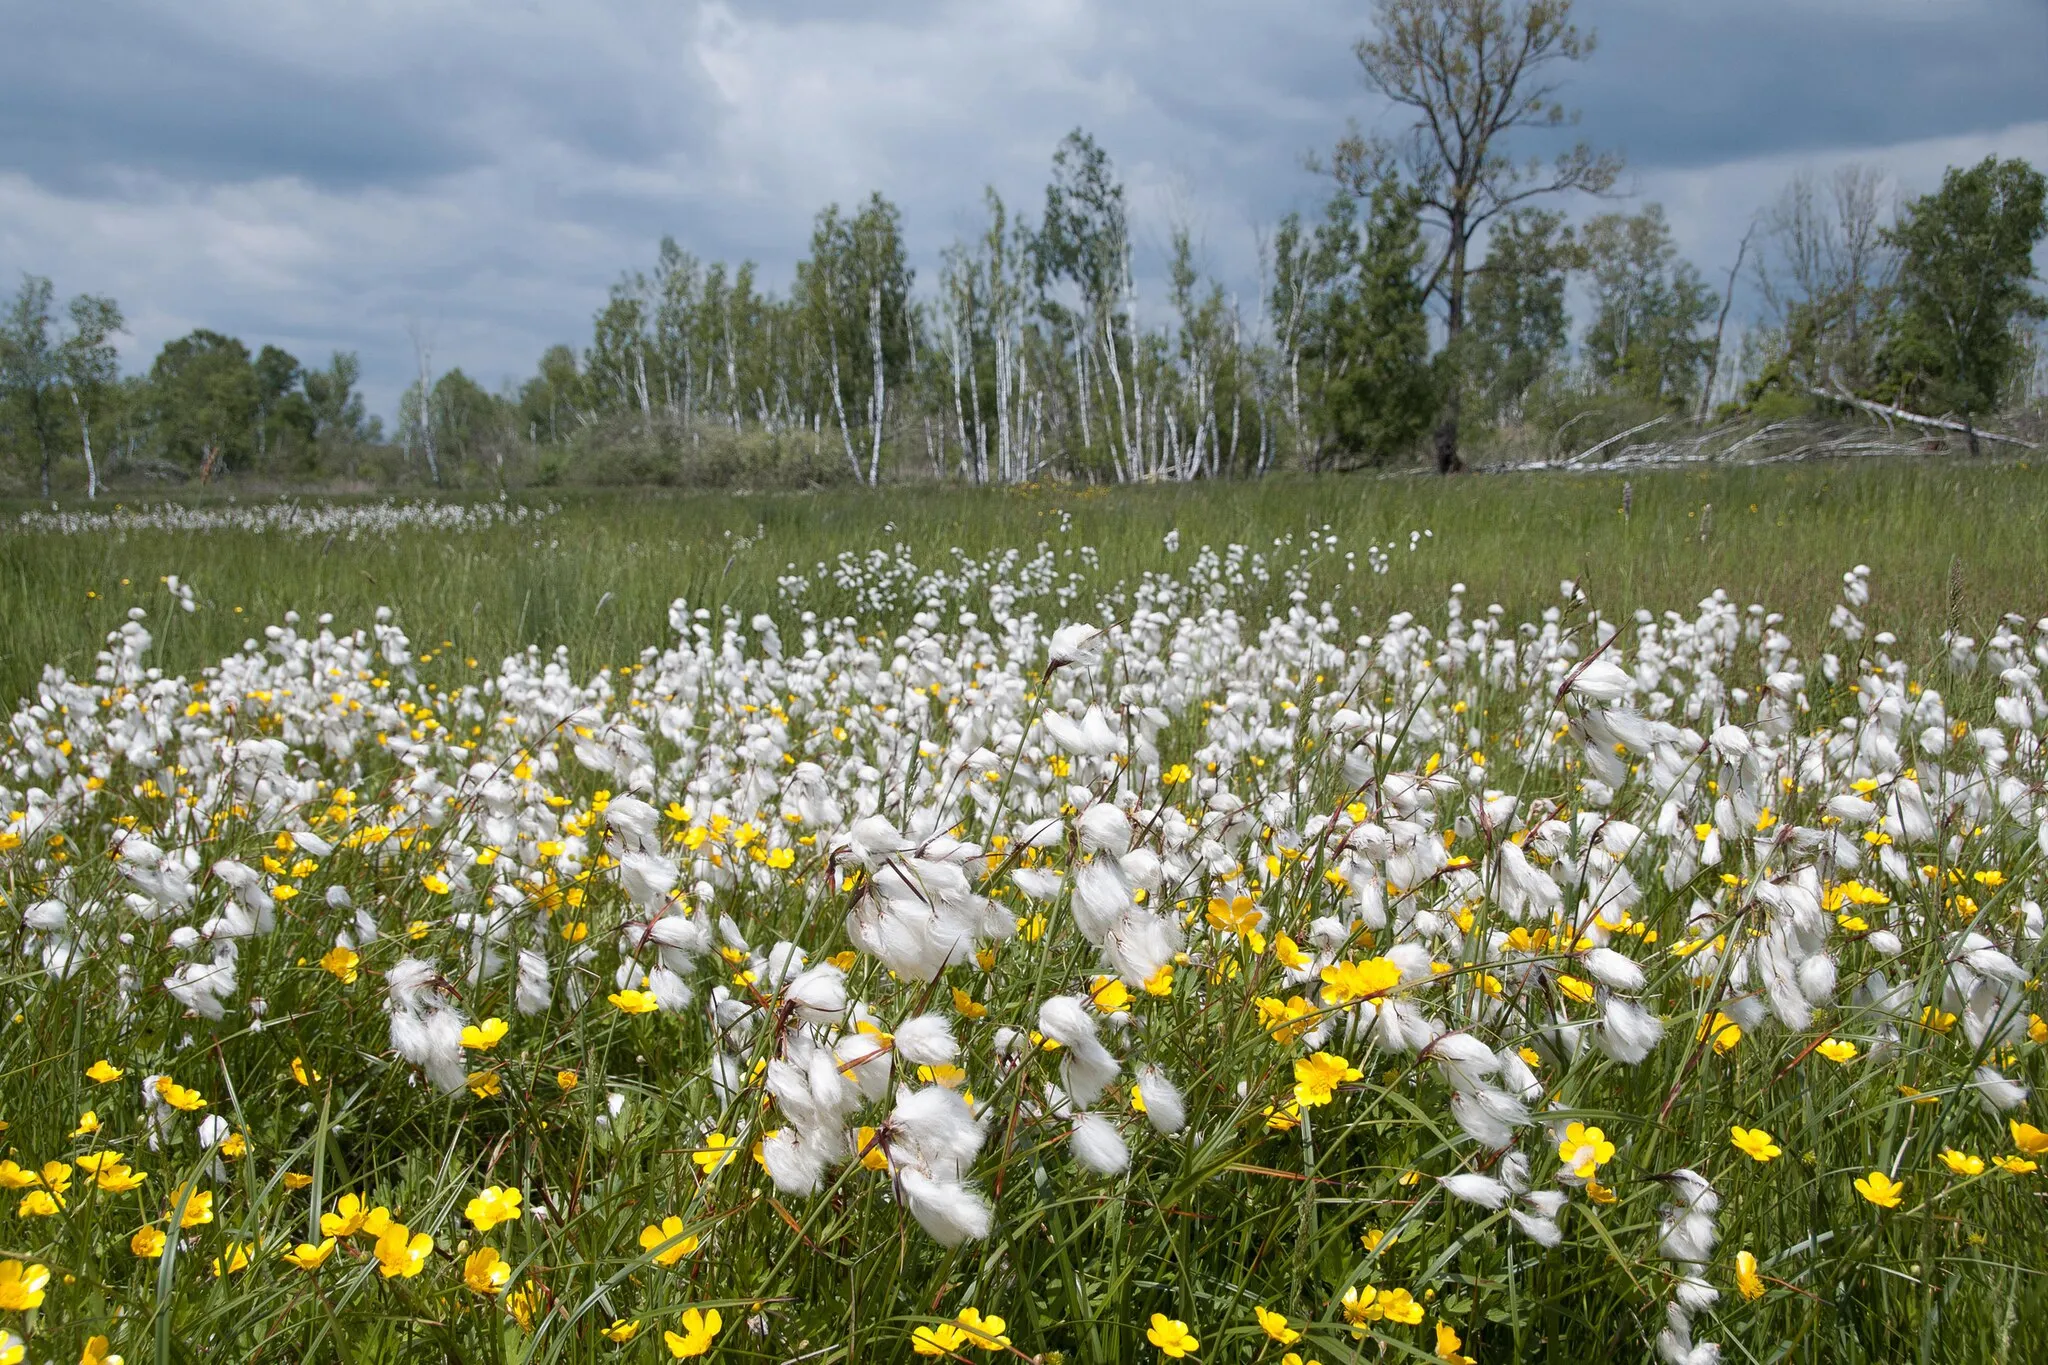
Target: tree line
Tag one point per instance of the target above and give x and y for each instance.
(1424, 310)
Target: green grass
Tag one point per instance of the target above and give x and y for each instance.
(1951, 544)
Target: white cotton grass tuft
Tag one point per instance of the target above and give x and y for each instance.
(1165, 1109)
(926, 1040)
(1097, 1145)
(1471, 1188)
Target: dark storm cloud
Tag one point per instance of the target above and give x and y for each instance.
(1683, 85)
(480, 170)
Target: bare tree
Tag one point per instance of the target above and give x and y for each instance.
(423, 350)
(1721, 329)
(1473, 72)
(1826, 274)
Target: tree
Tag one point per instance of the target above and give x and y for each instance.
(1081, 269)
(1473, 72)
(89, 364)
(1518, 327)
(552, 403)
(281, 406)
(206, 396)
(1385, 392)
(1355, 335)
(1965, 277)
(1827, 277)
(337, 409)
(30, 365)
(855, 292)
(1649, 306)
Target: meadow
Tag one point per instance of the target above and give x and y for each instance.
(1951, 544)
(1478, 920)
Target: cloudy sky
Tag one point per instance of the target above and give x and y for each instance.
(342, 175)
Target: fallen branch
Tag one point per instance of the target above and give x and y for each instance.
(1593, 450)
(1914, 418)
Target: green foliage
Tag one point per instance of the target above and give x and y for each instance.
(1965, 284)
(1650, 308)
(207, 397)
(1354, 305)
(1518, 330)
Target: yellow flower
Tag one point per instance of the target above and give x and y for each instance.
(13, 1177)
(341, 962)
(1239, 915)
(302, 1073)
(699, 1331)
(497, 1204)
(402, 1254)
(621, 1331)
(1275, 1325)
(88, 1124)
(1835, 1050)
(1160, 983)
(941, 1340)
(1360, 1307)
(1746, 1279)
(95, 1353)
(116, 1178)
(716, 1151)
(104, 1072)
(2016, 1165)
(1109, 995)
(2028, 1138)
(1344, 982)
(1575, 989)
(486, 1272)
(308, 1257)
(234, 1146)
(347, 1218)
(1962, 1163)
(485, 1036)
(1726, 1033)
(983, 1331)
(522, 1303)
(1881, 1190)
(148, 1243)
(435, 883)
(38, 1204)
(1940, 1020)
(22, 1286)
(566, 1080)
(177, 1096)
(485, 1085)
(967, 1005)
(1289, 952)
(296, 1180)
(667, 1234)
(633, 1002)
(1317, 1077)
(1448, 1343)
(12, 1347)
(872, 1155)
(1399, 1306)
(1584, 1150)
(1755, 1143)
(1285, 1020)
(1285, 1117)
(234, 1259)
(1171, 1336)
